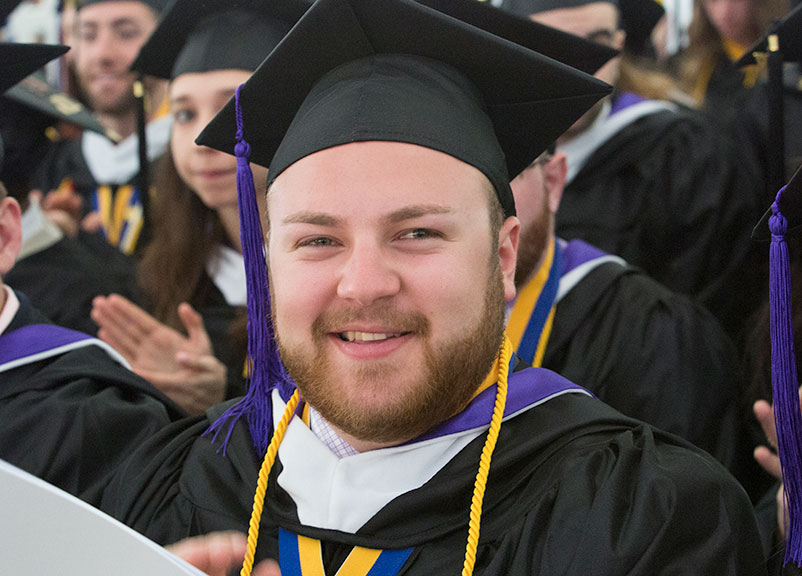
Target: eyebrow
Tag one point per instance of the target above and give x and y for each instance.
(405, 213)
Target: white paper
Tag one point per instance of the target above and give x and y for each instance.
(44, 530)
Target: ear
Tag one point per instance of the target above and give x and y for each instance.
(555, 171)
(508, 254)
(10, 233)
(619, 39)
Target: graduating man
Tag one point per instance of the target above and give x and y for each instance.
(391, 248)
(589, 316)
(656, 184)
(104, 175)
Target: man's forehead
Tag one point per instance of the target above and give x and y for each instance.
(110, 12)
(375, 176)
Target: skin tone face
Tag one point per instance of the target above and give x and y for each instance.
(10, 238)
(383, 268)
(195, 98)
(734, 19)
(107, 38)
(537, 191)
(598, 22)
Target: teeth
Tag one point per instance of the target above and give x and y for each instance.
(366, 336)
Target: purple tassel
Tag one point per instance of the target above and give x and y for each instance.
(787, 416)
(266, 371)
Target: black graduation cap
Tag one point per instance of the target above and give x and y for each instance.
(156, 5)
(530, 99)
(638, 19)
(36, 94)
(357, 70)
(569, 49)
(20, 60)
(782, 44)
(527, 7)
(198, 36)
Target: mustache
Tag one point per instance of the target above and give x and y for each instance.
(384, 315)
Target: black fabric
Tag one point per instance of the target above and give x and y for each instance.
(653, 355)
(73, 419)
(574, 488)
(790, 40)
(530, 98)
(197, 36)
(638, 19)
(63, 279)
(397, 98)
(683, 212)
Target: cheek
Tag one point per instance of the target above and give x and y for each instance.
(180, 144)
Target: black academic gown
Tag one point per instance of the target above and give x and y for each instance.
(671, 196)
(73, 418)
(574, 488)
(63, 279)
(65, 165)
(652, 354)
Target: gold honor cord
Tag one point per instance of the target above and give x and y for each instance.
(480, 485)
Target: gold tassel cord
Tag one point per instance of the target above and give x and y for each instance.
(261, 486)
(487, 453)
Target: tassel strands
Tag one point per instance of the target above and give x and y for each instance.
(265, 368)
(785, 384)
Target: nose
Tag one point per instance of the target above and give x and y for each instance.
(368, 275)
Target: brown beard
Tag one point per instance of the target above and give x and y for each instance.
(532, 244)
(453, 370)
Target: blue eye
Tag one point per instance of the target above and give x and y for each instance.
(320, 241)
(421, 234)
(183, 116)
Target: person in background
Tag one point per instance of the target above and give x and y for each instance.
(650, 353)
(92, 179)
(70, 409)
(654, 183)
(191, 342)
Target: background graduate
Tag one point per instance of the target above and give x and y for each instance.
(70, 410)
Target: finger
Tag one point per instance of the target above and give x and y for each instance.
(204, 363)
(193, 322)
(133, 315)
(214, 553)
(35, 197)
(764, 413)
(92, 223)
(769, 461)
(113, 330)
(267, 568)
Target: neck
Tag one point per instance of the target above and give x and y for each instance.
(229, 217)
(122, 124)
(3, 296)
(364, 445)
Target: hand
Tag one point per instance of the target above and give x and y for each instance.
(183, 367)
(217, 553)
(63, 207)
(768, 458)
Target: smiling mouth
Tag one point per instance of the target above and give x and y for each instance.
(352, 336)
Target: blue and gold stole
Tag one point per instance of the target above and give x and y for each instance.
(121, 214)
(532, 315)
(302, 556)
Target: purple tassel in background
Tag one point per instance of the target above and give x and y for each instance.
(266, 371)
(787, 416)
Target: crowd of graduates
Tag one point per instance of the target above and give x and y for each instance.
(638, 277)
